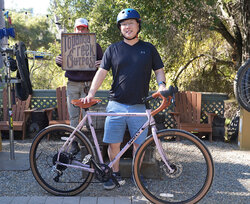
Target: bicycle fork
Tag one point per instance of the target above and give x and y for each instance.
(160, 150)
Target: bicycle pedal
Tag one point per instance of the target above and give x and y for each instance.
(64, 138)
(86, 159)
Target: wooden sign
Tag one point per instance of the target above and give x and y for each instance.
(78, 51)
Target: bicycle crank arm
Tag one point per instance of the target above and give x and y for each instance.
(88, 158)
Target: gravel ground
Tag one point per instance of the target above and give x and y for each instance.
(231, 182)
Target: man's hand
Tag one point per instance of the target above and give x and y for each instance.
(96, 83)
(97, 63)
(162, 87)
(87, 98)
(59, 60)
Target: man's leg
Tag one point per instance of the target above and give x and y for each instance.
(73, 92)
(83, 93)
(113, 150)
(134, 123)
(135, 147)
(113, 135)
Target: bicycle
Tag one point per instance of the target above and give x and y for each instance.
(183, 167)
(242, 85)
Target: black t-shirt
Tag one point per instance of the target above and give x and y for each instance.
(131, 69)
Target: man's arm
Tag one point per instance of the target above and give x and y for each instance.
(96, 83)
(160, 77)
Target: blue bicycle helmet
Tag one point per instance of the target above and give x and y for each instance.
(128, 13)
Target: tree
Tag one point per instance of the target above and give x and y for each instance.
(201, 20)
(34, 31)
(179, 29)
(46, 74)
(66, 11)
(36, 34)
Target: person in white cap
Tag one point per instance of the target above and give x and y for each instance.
(79, 81)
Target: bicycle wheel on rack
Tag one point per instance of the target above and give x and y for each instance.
(187, 155)
(43, 154)
(242, 86)
(25, 65)
(22, 89)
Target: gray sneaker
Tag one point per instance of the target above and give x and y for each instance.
(74, 148)
(109, 185)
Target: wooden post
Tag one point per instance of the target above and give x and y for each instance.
(244, 130)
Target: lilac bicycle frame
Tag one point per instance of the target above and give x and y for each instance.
(149, 122)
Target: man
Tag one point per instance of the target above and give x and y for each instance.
(79, 81)
(132, 61)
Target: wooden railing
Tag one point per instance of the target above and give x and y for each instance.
(211, 102)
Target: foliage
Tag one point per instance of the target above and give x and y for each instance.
(46, 74)
(67, 11)
(35, 32)
(181, 31)
(32, 30)
(208, 73)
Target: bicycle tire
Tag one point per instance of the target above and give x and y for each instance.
(42, 157)
(242, 86)
(25, 65)
(193, 164)
(22, 90)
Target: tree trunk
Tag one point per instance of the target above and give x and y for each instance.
(245, 5)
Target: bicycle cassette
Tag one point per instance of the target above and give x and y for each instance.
(64, 158)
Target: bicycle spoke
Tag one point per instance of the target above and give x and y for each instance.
(58, 179)
(242, 86)
(190, 176)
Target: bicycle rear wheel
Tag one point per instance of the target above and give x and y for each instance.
(187, 155)
(242, 86)
(43, 154)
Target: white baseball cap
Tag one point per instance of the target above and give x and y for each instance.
(81, 22)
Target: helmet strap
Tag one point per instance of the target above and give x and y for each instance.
(136, 36)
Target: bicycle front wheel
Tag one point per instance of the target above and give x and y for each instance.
(59, 180)
(242, 86)
(188, 157)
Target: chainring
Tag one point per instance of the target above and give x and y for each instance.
(105, 174)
